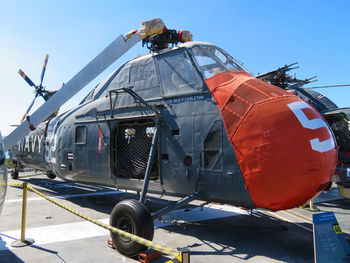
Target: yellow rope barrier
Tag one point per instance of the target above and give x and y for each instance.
(140, 240)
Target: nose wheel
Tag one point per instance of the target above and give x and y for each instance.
(14, 174)
(344, 191)
(133, 217)
(50, 175)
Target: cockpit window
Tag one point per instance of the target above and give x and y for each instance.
(177, 73)
(212, 60)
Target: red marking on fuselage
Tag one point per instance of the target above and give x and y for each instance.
(99, 141)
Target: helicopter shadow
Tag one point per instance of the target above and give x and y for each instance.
(99, 198)
(336, 204)
(240, 237)
(6, 255)
(245, 237)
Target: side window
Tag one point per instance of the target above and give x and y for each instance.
(88, 97)
(80, 134)
(143, 75)
(121, 80)
(212, 146)
(177, 73)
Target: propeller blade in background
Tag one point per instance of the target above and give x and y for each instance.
(30, 106)
(25, 77)
(108, 56)
(43, 71)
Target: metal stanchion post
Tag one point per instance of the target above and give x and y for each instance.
(185, 255)
(312, 207)
(23, 241)
(311, 204)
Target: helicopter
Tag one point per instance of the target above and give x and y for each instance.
(185, 120)
(40, 91)
(337, 118)
(3, 175)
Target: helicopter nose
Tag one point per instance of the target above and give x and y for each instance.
(285, 149)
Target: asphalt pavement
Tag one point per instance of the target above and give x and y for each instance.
(213, 233)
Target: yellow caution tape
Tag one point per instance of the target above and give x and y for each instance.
(135, 238)
(16, 184)
(175, 260)
(303, 205)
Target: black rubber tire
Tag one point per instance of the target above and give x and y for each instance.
(14, 174)
(131, 216)
(50, 175)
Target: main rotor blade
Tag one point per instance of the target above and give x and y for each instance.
(43, 71)
(30, 106)
(25, 77)
(329, 86)
(109, 55)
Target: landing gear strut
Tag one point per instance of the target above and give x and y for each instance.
(133, 216)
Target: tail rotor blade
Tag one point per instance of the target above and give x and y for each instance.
(29, 108)
(108, 56)
(43, 71)
(25, 77)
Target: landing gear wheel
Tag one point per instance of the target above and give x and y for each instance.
(50, 175)
(133, 217)
(344, 192)
(14, 174)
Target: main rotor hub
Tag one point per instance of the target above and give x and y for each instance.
(161, 41)
(157, 42)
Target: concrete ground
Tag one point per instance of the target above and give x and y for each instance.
(217, 233)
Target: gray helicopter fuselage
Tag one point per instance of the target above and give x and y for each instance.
(99, 143)
(222, 134)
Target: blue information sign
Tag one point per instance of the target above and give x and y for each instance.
(330, 244)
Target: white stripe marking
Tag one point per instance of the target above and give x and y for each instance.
(63, 196)
(82, 230)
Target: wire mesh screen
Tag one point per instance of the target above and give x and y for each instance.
(341, 129)
(133, 142)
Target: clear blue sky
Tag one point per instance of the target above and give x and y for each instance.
(262, 34)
